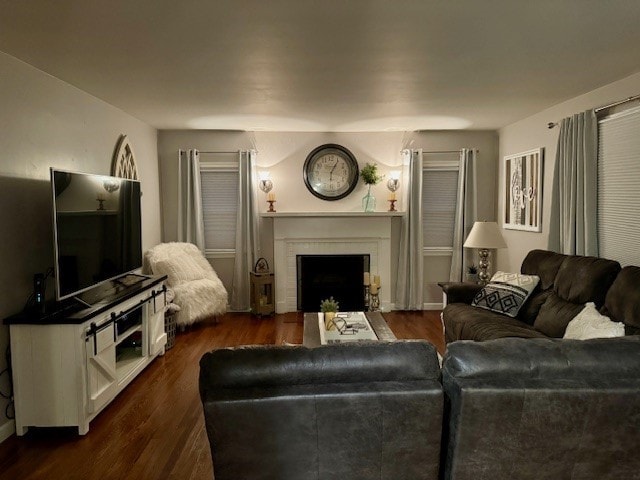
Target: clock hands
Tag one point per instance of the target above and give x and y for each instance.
(331, 172)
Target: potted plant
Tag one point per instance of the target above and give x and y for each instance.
(369, 174)
(472, 273)
(329, 307)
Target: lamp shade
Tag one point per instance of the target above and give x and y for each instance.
(485, 235)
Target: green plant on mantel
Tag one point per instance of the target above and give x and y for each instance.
(369, 174)
(329, 305)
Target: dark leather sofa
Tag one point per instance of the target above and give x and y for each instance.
(567, 282)
(510, 408)
(332, 412)
(542, 409)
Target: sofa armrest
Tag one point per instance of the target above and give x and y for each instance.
(459, 292)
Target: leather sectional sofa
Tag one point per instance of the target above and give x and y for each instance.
(356, 412)
(567, 282)
(528, 408)
(516, 409)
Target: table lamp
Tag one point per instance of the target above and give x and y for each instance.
(483, 236)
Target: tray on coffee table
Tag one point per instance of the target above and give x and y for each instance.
(312, 337)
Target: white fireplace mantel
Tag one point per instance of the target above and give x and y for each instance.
(336, 233)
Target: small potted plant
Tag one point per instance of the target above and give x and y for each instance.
(329, 307)
(369, 174)
(472, 273)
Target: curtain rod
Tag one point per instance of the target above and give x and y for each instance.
(435, 152)
(604, 107)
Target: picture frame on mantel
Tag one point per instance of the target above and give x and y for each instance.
(522, 190)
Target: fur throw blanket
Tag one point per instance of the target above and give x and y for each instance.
(198, 291)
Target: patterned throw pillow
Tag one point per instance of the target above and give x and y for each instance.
(506, 292)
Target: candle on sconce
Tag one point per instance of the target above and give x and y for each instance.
(271, 197)
(373, 289)
(392, 195)
(376, 280)
(366, 279)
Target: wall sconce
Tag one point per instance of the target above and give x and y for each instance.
(111, 185)
(393, 184)
(265, 182)
(266, 185)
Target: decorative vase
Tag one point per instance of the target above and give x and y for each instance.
(329, 324)
(369, 202)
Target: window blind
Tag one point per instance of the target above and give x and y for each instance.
(219, 206)
(439, 196)
(618, 187)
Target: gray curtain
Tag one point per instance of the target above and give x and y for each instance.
(246, 232)
(466, 214)
(410, 279)
(573, 227)
(190, 218)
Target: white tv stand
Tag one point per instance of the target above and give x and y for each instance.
(69, 364)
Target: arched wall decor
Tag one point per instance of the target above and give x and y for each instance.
(124, 162)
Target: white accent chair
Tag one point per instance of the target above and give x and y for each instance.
(199, 293)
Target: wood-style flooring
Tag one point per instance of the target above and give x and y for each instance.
(155, 428)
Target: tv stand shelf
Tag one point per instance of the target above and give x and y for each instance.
(71, 361)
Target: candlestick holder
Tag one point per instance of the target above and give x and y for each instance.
(375, 302)
(100, 203)
(392, 205)
(367, 295)
(271, 202)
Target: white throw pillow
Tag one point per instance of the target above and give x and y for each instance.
(589, 323)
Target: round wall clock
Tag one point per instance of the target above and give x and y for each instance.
(330, 172)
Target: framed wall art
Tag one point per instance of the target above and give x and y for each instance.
(522, 191)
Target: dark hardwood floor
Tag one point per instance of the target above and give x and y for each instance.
(155, 428)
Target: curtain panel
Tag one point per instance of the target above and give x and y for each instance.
(573, 223)
(190, 218)
(410, 277)
(247, 240)
(466, 214)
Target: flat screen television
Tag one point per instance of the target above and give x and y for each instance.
(97, 230)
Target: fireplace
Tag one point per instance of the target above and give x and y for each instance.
(337, 233)
(322, 276)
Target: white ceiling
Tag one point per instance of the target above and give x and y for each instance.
(327, 65)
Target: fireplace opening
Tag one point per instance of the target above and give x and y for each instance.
(323, 276)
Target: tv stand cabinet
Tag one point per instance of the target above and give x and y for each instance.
(69, 364)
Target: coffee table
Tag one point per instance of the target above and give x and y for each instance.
(311, 333)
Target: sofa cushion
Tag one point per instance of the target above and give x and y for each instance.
(465, 322)
(622, 302)
(506, 292)
(589, 323)
(261, 366)
(544, 264)
(513, 359)
(585, 279)
(579, 280)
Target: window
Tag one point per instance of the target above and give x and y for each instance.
(618, 192)
(219, 182)
(439, 198)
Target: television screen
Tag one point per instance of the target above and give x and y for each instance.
(97, 229)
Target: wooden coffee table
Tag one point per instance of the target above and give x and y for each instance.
(311, 333)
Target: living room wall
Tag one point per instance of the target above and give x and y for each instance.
(532, 132)
(284, 153)
(45, 122)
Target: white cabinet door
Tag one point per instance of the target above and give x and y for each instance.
(155, 314)
(102, 382)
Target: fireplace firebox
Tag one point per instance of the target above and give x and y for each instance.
(323, 276)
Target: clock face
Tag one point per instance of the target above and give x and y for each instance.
(331, 172)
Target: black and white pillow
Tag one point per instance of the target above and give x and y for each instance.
(506, 292)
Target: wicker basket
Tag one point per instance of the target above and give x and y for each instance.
(170, 329)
